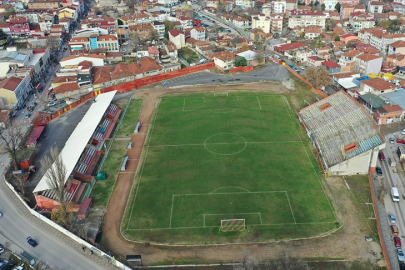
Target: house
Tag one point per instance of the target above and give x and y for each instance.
(74, 60)
(43, 5)
(301, 56)
(343, 149)
(185, 21)
(19, 26)
(375, 6)
(289, 47)
(262, 22)
(153, 52)
(315, 61)
(224, 60)
(178, 38)
(396, 60)
(347, 60)
(104, 22)
(114, 56)
(368, 63)
(331, 66)
(65, 90)
(305, 18)
(245, 4)
(143, 30)
(360, 20)
(388, 114)
(377, 86)
(14, 91)
(252, 57)
(240, 22)
(397, 47)
(198, 33)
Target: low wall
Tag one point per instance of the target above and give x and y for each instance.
(96, 251)
(128, 86)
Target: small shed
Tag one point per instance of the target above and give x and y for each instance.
(84, 208)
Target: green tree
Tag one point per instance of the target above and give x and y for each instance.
(240, 62)
(337, 38)
(168, 26)
(323, 7)
(301, 3)
(337, 7)
(3, 36)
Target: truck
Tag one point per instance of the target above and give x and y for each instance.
(392, 162)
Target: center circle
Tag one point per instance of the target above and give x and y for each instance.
(225, 144)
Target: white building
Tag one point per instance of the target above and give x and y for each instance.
(306, 17)
(245, 4)
(160, 28)
(198, 33)
(74, 60)
(375, 6)
(276, 23)
(344, 135)
(278, 7)
(262, 22)
(361, 20)
(168, 3)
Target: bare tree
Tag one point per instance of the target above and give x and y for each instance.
(319, 77)
(10, 140)
(54, 169)
(248, 262)
(52, 43)
(286, 262)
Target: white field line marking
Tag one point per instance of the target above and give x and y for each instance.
(260, 106)
(229, 187)
(171, 212)
(261, 221)
(143, 165)
(256, 192)
(184, 104)
(201, 144)
(267, 224)
(313, 167)
(288, 198)
(227, 214)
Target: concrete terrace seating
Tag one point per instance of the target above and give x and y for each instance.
(112, 109)
(89, 155)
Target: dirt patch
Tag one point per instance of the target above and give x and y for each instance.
(348, 242)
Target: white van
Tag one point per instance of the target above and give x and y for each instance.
(395, 194)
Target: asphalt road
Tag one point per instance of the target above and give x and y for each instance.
(270, 72)
(15, 227)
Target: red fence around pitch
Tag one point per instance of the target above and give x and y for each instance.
(244, 69)
(128, 86)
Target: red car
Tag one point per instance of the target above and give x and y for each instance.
(399, 140)
(381, 155)
(397, 241)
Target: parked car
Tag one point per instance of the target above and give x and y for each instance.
(403, 132)
(402, 266)
(379, 171)
(401, 256)
(1, 214)
(392, 218)
(397, 241)
(302, 67)
(399, 140)
(27, 116)
(1, 249)
(32, 242)
(392, 140)
(381, 155)
(394, 230)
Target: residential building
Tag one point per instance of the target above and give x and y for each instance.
(305, 18)
(360, 20)
(345, 10)
(19, 26)
(135, 19)
(315, 61)
(15, 90)
(178, 38)
(343, 134)
(168, 3)
(397, 60)
(375, 6)
(160, 28)
(104, 22)
(368, 63)
(377, 86)
(224, 60)
(69, 13)
(289, 48)
(198, 33)
(397, 47)
(143, 30)
(74, 60)
(262, 22)
(86, 44)
(185, 21)
(347, 60)
(245, 4)
(382, 42)
(276, 23)
(388, 114)
(278, 6)
(240, 22)
(43, 5)
(301, 56)
(331, 66)
(291, 4)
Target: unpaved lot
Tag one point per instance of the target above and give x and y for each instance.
(347, 243)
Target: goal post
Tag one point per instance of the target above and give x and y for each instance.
(220, 94)
(233, 225)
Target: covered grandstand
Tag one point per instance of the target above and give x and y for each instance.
(81, 153)
(343, 133)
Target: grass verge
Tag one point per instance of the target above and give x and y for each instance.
(130, 118)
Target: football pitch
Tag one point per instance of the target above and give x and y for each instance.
(222, 156)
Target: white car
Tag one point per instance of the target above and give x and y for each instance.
(1, 250)
(403, 132)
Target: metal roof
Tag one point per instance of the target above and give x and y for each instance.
(336, 122)
(77, 142)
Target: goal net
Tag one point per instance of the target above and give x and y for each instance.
(233, 225)
(220, 94)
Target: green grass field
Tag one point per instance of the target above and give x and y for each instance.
(238, 156)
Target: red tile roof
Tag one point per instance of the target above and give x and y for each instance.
(175, 32)
(368, 57)
(10, 83)
(379, 84)
(66, 87)
(330, 64)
